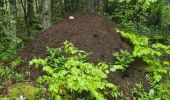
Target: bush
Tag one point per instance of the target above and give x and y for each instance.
(70, 76)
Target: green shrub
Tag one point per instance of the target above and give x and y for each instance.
(69, 75)
(123, 59)
(8, 41)
(157, 70)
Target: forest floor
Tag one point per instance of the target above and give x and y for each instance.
(92, 33)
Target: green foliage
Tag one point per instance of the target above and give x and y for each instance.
(123, 59)
(152, 22)
(158, 71)
(159, 92)
(68, 65)
(2, 73)
(146, 3)
(165, 15)
(140, 94)
(143, 17)
(126, 11)
(151, 54)
(9, 74)
(7, 39)
(24, 89)
(69, 75)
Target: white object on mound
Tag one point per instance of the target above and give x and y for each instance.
(22, 97)
(71, 17)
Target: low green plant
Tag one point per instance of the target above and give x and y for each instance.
(26, 90)
(123, 59)
(158, 92)
(2, 73)
(9, 74)
(40, 93)
(139, 93)
(69, 75)
(157, 70)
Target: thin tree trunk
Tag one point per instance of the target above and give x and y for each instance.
(1, 3)
(25, 17)
(67, 6)
(106, 5)
(30, 12)
(91, 6)
(46, 12)
(41, 6)
(100, 6)
(75, 5)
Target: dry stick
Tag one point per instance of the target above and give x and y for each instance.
(25, 17)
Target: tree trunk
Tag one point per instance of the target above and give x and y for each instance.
(106, 5)
(46, 13)
(100, 6)
(41, 6)
(23, 4)
(67, 5)
(75, 5)
(91, 5)
(1, 3)
(30, 12)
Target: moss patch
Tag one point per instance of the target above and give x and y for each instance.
(25, 89)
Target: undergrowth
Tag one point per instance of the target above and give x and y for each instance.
(157, 70)
(70, 76)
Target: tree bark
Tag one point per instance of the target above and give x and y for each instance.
(30, 12)
(25, 17)
(92, 6)
(100, 6)
(106, 5)
(46, 13)
(1, 3)
(67, 5)
(75, 5)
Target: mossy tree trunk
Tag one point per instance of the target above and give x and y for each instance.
(46, 13)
